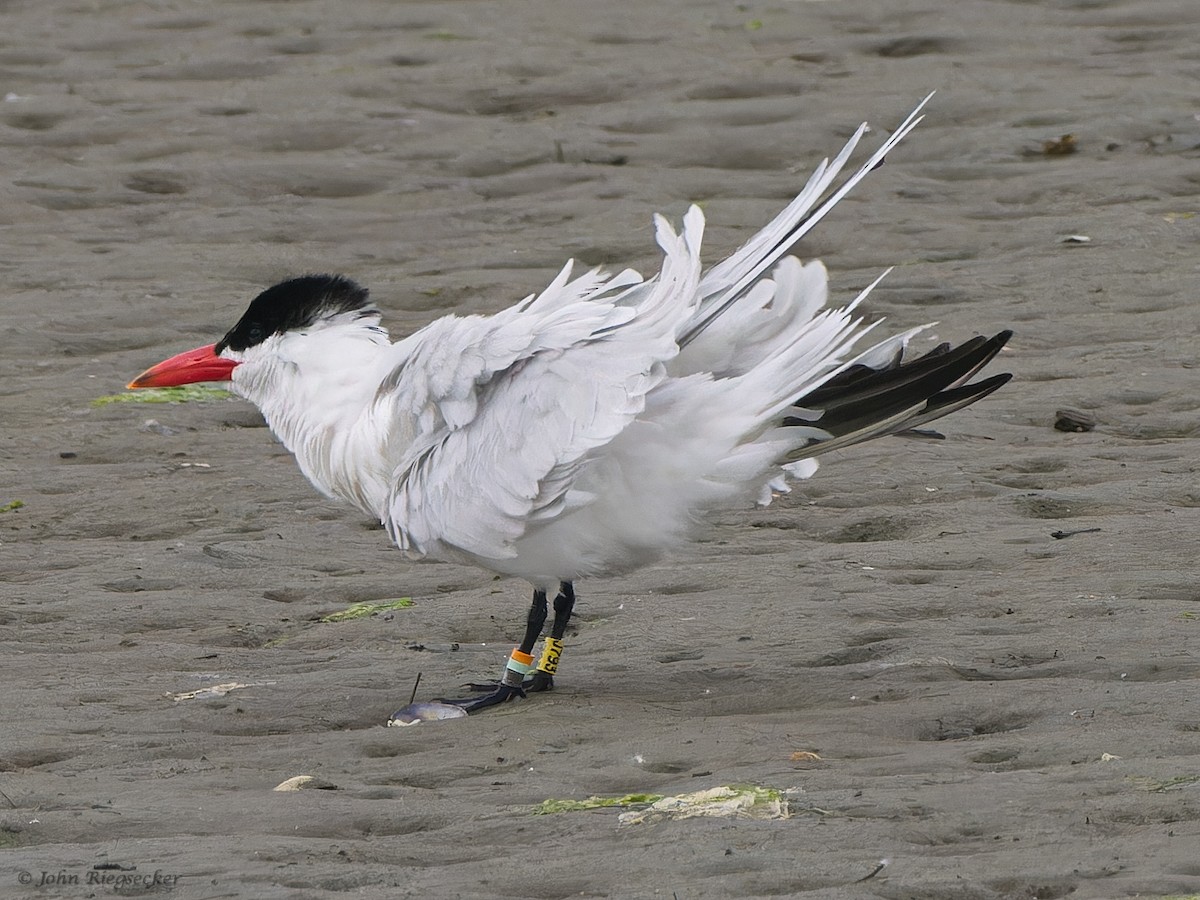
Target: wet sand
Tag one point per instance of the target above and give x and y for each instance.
(999, 712)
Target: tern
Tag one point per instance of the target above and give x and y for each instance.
(586, 430)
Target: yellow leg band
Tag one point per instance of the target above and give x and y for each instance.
(551, 651)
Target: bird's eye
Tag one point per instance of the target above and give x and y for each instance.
(255, 334)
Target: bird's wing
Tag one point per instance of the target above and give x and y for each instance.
(497, 414)
(726, 283)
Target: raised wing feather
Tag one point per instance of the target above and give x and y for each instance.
(501, 412)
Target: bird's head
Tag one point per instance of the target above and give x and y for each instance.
(270, 330)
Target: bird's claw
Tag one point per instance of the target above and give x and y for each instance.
(500, 693)
(541, 681)
(479, 687)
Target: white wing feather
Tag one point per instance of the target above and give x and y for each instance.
(503, 410)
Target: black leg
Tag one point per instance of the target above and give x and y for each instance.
(536, 620)
(564, 604)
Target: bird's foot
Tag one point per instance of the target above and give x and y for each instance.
(541, 681)
(480, 687)
(497, 693)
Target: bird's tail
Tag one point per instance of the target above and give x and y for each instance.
(762, 321)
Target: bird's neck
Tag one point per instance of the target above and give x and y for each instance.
(318, 400)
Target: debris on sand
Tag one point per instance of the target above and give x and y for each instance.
(736, 801)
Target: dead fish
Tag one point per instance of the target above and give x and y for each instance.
(426, 711)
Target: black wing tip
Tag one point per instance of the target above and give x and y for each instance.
(976, 389)
(903, 381)
(865, 402)
(1001, 338)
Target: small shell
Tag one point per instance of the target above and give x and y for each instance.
(305, 783)
(428, 711)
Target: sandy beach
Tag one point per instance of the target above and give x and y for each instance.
(977, 658)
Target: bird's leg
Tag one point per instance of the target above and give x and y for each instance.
(564, 603)
(520, 661)
(536, 621)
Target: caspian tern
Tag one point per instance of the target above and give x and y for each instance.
(585, 430)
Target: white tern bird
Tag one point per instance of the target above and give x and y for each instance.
(585, 430)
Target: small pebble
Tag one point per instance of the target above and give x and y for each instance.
(1073, 420)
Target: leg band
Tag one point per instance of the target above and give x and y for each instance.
(551, 651)
(519, 665)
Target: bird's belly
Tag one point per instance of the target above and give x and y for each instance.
(566, 549)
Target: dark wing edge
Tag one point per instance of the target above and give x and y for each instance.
(863, 403)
